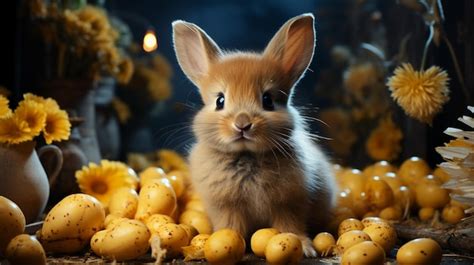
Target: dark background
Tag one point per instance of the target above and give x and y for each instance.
(248, 25)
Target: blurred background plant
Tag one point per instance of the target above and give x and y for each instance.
(81, 40)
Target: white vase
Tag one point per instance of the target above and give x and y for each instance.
(23, 179)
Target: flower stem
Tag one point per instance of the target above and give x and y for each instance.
(427, 45)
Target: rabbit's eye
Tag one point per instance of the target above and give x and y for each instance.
(267, 102)
(220, 101)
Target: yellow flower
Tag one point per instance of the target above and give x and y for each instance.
(14, 130)
(384, 141)
(170, 160)
(125, 71)
(358, 78)
(421, 94)
(122, 109)
(102, 180)
(46, 102)
(57, 126)
(4, 109)
(33, 114)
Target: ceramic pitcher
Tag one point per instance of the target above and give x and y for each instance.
(23, 178)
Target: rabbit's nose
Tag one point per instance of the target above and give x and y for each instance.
(242, 122)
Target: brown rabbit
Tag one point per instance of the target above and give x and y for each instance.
(255, 164)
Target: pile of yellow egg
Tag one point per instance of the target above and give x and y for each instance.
(164, 216)
(15, 246)
(392, 193)
(370, 240)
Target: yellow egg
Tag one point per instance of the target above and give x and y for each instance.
(151, 173)
(383, 234)
(360, 204)
(337, 170)
(364, 253)
(372, 220)
(393, 181)
(349, 239)
(452, 214)
(405, 197)
(199, 220)
(190, 230)
(340, 214)
(110, 218)
(123, 203)
(441, 174)
(173, 238)
(260, 238)
(426, 214)
(392, 213)
(431, 196)
(353, 181)
(458, 203)
(195, 250)
(12, 222)
(379, 169)
(177, 180)
(284, 248)
(324, 243)
(420, 251)
(154, 222)
(372, 213)
(71, 223)
(196, 205)
(155, 197)
(379, 193)
(412, 170)
(25, 249)
(123, 239)
(225, 246)
(348, 225)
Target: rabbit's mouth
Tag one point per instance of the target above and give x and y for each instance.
(242, 136)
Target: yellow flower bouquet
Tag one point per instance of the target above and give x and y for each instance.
(34, 116)
(83, 41)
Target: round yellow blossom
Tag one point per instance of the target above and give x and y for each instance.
(421, 94)
(46, 102)
(4, 109)
(384, 141)
(57, 126)
(33, 114)
(358, 78)
(102, 180)
(14, 130)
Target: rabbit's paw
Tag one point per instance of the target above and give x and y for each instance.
(308, 249)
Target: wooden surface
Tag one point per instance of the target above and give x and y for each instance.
(248, 259)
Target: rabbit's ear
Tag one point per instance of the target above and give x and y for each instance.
(293, 46)
(195, 50)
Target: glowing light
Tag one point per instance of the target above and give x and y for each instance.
(149, 41)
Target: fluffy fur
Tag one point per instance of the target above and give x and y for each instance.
(272, 175)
